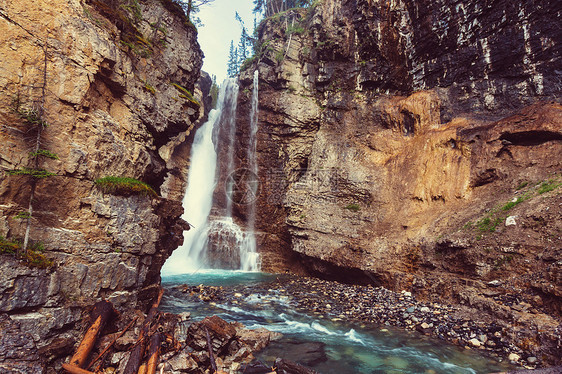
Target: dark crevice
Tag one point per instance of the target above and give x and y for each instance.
(326, 270)
(409, 124)
(485, 177)
(531, 138)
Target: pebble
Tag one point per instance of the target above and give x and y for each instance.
(424, 309)
(513, 357)
(475, 342)
(424, 326)
(532, 360)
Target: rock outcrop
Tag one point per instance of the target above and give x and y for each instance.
(112, 81)
(396, 137)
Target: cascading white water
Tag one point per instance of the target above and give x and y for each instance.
(228, 245)
(198, 199)
(251, 254)
(219, 242)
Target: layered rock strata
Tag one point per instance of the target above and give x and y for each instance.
(397, 138)
(113, 83)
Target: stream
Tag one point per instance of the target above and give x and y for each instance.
(323, 342)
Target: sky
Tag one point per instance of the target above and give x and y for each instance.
(219, 28)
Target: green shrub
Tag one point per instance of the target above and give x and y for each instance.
(185, 94)
(511, 204)
(35, 173)
(44, 153)
(489, 224)
(294, 30)
(548, 186)
(33, 257)
(247, 63)
(353, 207)
(32, 117)
(279, 56)
(124, 186)
(522, 185)
(8, 246)
(22, 215)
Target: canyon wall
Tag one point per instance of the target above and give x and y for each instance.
(397, 137)
(112, 84)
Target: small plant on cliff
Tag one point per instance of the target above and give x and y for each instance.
(149, 88)
(33, 117)
(44, 153)
(32, 256)
(185, 94)
(124, 186)
(548, 186)
(489, 223)
(294, 30)
(353, 207)
(22, 215)
(35, 173)
(522, 185)
(514, 202)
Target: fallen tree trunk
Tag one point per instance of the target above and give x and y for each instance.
(136, 357)
(111, 344)
(153, 353)
(137, 353)
(101, 314)
(210, 348)
(75, 369)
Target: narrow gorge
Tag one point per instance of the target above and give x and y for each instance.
(403, 152)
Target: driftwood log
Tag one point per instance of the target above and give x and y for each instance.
(210, 348)
(75, 370)
(137, 354)
(153, 353)
(103, 311)
(112, 343)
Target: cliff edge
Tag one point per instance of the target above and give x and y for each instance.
(90, 90)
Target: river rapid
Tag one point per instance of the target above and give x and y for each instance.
(338, 338)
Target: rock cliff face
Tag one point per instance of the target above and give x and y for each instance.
(113, 82)
(396, 137)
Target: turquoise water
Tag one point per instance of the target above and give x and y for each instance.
(328, 346)
(212, 277)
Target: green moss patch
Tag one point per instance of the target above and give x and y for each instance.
(35, 173)
(124, 186)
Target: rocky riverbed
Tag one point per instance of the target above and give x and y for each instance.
(376, 307)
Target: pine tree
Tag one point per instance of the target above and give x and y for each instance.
(270, 7)
(246, 41)
(232, 67)
(243, 47)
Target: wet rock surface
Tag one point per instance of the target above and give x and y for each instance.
(379, 307)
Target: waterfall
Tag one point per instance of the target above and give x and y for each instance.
(218, 241)
(251, 255)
